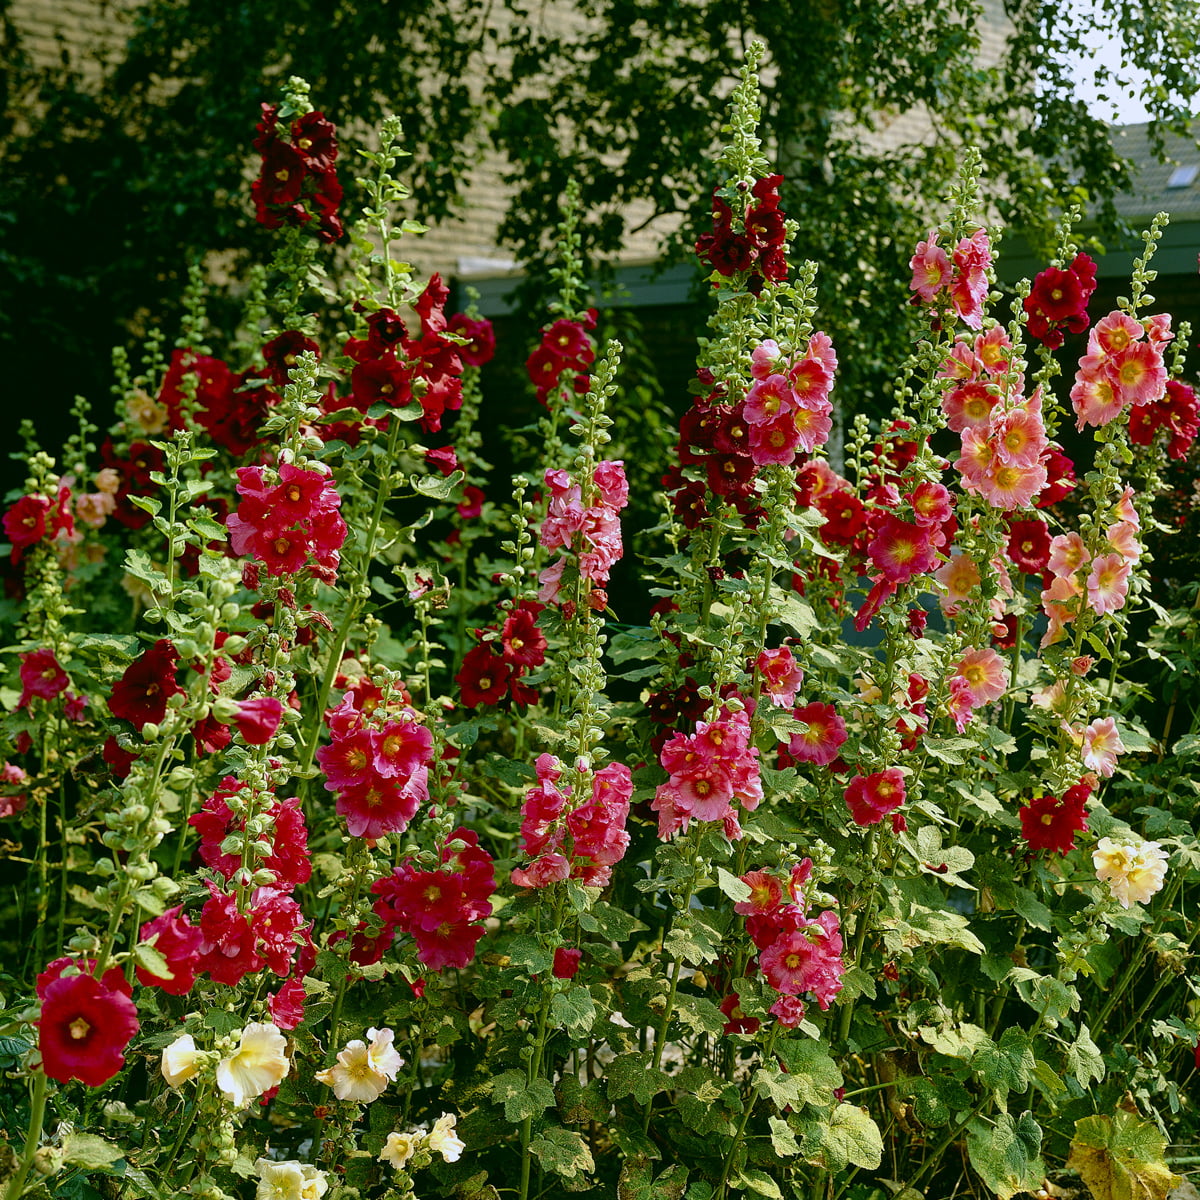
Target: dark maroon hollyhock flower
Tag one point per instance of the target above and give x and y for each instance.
(1178, 412)
(25, 523)
(119, 761)
(481, 339)
(142, 692)
(1059, 298)
(84, 1028)
(315, 139)
(1049, 823)
(41, 676)
(282, 353)
(483, 677)
(566, 963)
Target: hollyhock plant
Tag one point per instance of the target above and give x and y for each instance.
(780, 675)
(1101, 746)
(362, 1072)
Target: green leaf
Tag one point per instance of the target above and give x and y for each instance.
(1084, 1059)
(1007, 1065)
(732, 886)
(636, 1182)
(1121, 1158)
(12, 1049)
(152, 960)
(798, 616)
(207, 528)
(845, 1136)
(89, 1151)
(815, 1073)
(955, 1041)
(692, 941)
(781, 1088)
(521, 1098)
(1007, 1154)
(754, 1180)
(528, 952)
(436, 487)
(613, 924)
(631, 1075)
(562, 1151)
(140, 565)
(783, 1140)
(573, 1010)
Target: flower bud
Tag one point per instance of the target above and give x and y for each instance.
(181, 777)
(149, 732)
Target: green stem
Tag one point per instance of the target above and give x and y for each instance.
(727, 1166)
(33, 1136)
(535, 1067)
(860, 938)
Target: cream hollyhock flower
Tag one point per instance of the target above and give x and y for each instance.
(181, 1061)
(1133, 869)
(289, 1181)
(398, 1149)
(258, 1064)
(363, 1072)
(442, 1139)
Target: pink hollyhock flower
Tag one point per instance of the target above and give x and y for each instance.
(900, 551)
(401, 748)
(83, 1029)
(820, 742)
(142, 692)
(775, 441)
(960, 576)
(811, 384)
(768, 399)
(377, 806)
(788, 1011)
(258, 719)
(969, 284)
(609, 478)
(1011, 485)
(448, 945)
(813, 426)
(543, 871)
(1101, 746)
(871, 797)
(228, 951)
(970, 406)
(286, 1006)
(1050, 823)
(275, 919)
(767, 359)
(1122, 537)
(931, 269)
(780, 675)
(41, 676)
(178, 941)
(1019, 436)
(766, 893)
(1138, 374)
(806, 958)
(1095, 399)
(984, 675)
(931, 503)
(1108, 583)
(1067, 554)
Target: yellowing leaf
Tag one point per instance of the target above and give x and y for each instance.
(1121, 1158)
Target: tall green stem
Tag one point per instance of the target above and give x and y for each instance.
(33, 1136)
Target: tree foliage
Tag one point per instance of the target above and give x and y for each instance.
(117, 177)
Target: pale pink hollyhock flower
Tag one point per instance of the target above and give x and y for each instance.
(1095, 400)
(1114, 333)
(969, 286)
(1010, 485)
(970, 406)
(1020, 437)
(1059, 603)
(1132, 868)
(930, 269)
(551, 581)
(1138, 374)
(1101, 745)
(976, 457)
(108, 480)
(813, 426)
(94, 508)
(1122, 537)
(985, 675)
(1052, 698)
(959, 575)
(258, 1064)
(962, 363)
(780, 674)
(1108, 583)
(1067, 554)
(994, 350)
(1158, 328)
(1125, 510)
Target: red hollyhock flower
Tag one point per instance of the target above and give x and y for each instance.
(900, 550)
(314, 139)
(566, 962)
(522, 642)
(1049, 823)
(737, 1022)
(377, 806)
(142, 692)
(83, 1029)
(471, 505)
(25, 523)
(483, 677)
(41, 676)
(871, 797)
(1029, 545)
(228, 951)
(287, 1005)
(444, 459)
(119, 761)
(481, 339)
